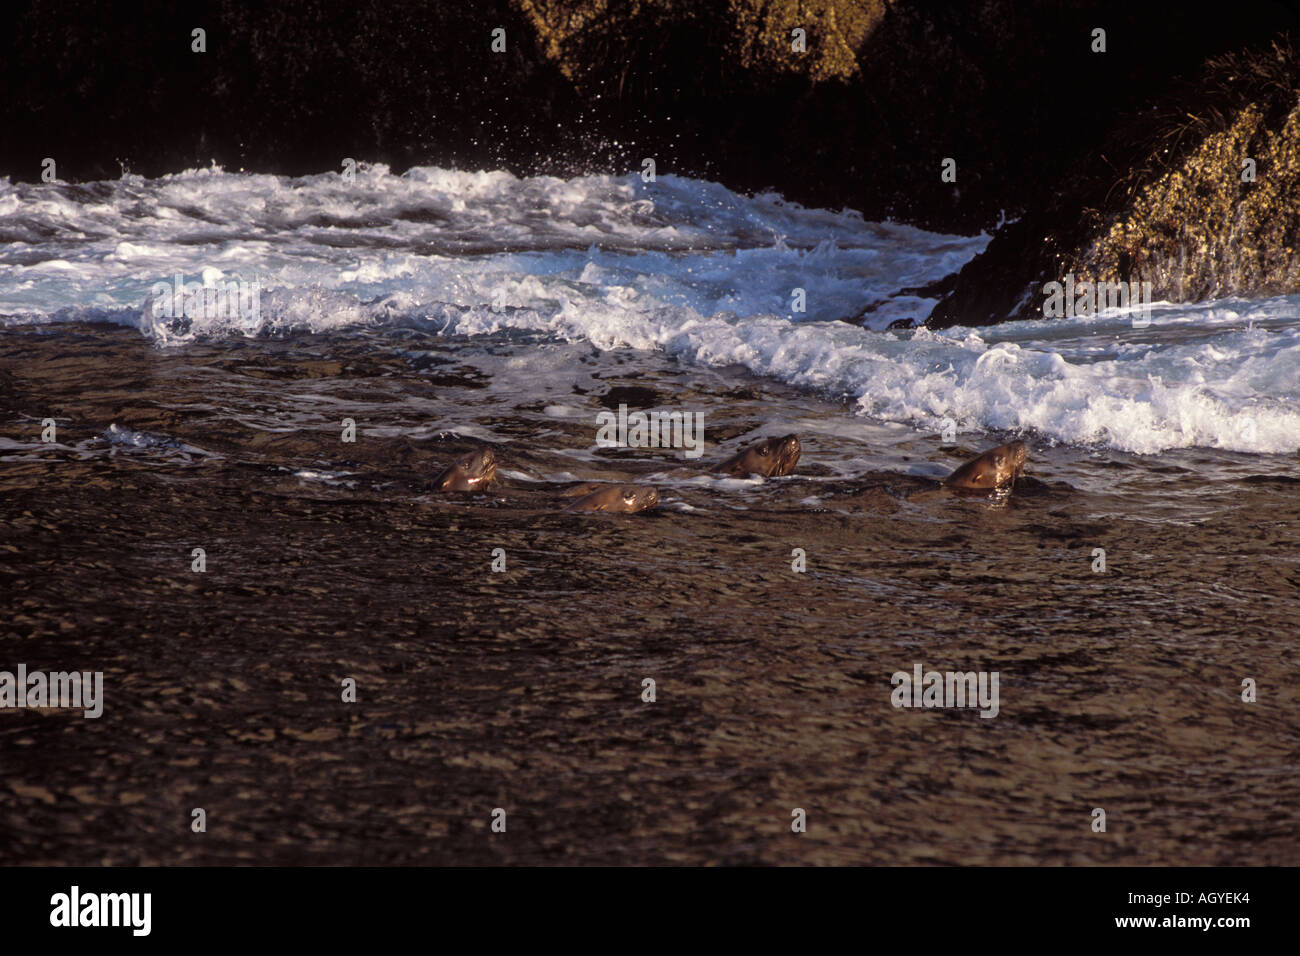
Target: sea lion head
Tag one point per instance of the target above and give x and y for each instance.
(770, 458)
(995, 470)
(470, 473)
(618, 499)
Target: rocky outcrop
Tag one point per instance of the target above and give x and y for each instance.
(585, 37)
(882, 92)
(858, 111)
(1196, 196)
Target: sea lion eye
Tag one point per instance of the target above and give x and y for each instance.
(765, 451)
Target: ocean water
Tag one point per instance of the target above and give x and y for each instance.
(680, 266)
(198, 342)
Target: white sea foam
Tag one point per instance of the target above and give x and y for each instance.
(129, 439)
(679, 265)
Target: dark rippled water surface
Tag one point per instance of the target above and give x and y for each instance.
(522, 690)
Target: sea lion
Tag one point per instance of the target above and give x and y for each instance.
(770, 458)
(618, 499)
(473, 472)
(995, 470)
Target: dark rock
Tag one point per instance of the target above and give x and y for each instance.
(1163, 201)
(633, 396)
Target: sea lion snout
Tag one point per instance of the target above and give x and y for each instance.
(641, 498)
(788, 451)
(469, 473)
(481, 462)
